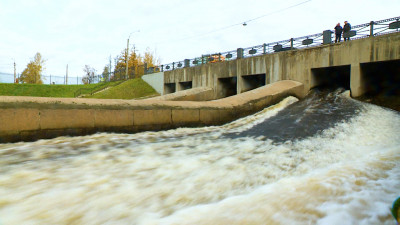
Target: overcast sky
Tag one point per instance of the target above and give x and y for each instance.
(87, 32)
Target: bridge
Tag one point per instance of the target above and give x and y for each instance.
(239, 87)
(353, 65)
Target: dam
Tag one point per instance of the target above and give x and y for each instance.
(297, 149)
(237, 88)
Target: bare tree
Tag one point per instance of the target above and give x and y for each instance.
(89, 74)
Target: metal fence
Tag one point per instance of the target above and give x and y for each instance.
(47, 79)
(117, 75)
(373, 28)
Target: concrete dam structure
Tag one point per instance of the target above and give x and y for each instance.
(243, 86)
(352, 65)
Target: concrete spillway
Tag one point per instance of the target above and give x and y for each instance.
(31, 118)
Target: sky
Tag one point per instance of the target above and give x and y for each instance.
(89, 32)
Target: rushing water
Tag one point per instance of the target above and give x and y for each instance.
(326, 159)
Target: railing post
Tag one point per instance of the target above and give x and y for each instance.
(264, 48)
(239, 53)
(291, 43)
(371, 29)
(327, 37)
(187, 62)
(173, 66)
(162, 68)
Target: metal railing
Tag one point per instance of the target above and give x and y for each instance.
(373, 28)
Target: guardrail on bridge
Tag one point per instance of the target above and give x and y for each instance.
(365, 30)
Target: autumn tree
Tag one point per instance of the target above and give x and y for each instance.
(88, 78)
(136, 64)
(106, 73)
(32, 74)
(120, 66)
(150, 59)
(135, 61)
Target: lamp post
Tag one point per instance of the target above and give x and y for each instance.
(127, 53)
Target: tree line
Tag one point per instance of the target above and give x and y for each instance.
(137, 65)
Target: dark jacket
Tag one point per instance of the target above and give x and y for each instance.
(338, 30)
(347, 27)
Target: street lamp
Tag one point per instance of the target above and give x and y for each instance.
(127, 53)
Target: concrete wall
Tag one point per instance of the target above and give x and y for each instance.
(31, 118)
(296, 64)
(156, 80)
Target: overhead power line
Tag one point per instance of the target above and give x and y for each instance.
(4, 73)
(278, 11)
(244, 23)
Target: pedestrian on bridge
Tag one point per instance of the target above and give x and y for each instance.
(346, 30)
(338, 33)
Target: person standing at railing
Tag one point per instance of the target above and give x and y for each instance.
(346, 30)
(338, 33)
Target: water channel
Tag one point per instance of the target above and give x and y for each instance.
(326, 159)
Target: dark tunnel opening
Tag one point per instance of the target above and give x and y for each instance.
(169, 88)
(251, 82)
(381, 83)
(331, 77)
(381, 78)
(227, 87)
(185, 85)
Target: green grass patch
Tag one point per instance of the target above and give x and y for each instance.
(131, 89)
(46, 90)
(43, 90)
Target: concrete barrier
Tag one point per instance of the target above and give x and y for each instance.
(32, 118)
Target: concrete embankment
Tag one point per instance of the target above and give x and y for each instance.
(32, 118)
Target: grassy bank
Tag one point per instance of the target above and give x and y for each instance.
(116, 90)
(42, 90)
(131, 89)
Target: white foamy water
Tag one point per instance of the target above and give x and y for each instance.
(348, 174)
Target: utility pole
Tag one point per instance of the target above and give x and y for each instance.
(66, 77)
(127, 56)
(134, 69)
(15, 72)
(127, 53)
(109, 72)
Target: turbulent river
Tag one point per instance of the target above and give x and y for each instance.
(326, 159)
